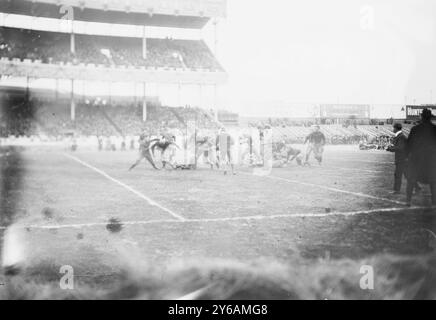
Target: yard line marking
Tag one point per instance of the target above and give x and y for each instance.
(327, 171)
(355, 160)
(354, 169)
(127, 187)
(314, 215)
(226, 219)
(358, 194)
(328, 167)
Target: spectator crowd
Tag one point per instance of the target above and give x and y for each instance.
(95, 117)
(52, 47)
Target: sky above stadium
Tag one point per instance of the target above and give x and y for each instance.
(316, 51)
(284, 56)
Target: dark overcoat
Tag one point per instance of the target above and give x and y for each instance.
(421, 151)
(399, 146)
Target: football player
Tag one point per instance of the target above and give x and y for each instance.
(145, 144)
(316, 141)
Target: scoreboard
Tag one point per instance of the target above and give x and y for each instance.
(228, 118)
(414, 112)
(345, 111)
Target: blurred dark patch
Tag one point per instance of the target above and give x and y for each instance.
(396, 278)
(16, 118)
(11, 173)
(47, 213)
(114, 225)
(12, 270)
(11, 176)
(17, 112)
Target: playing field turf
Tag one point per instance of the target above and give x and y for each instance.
(342, 209)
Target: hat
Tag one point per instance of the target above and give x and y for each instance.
(426, 114)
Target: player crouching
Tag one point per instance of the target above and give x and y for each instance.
(167, 147)
(284, 154)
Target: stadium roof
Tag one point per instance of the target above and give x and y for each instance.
(165, 13)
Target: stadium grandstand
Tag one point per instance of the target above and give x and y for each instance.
(143, 158)
(172, 74)
(341, 124)
(170, 80)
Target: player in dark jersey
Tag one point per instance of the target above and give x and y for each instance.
(163, 145)
(293, 154)
(100, 143)
(145, 145)
(286, 153)
(316, 140)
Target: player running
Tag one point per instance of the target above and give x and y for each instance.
(145, 145)
(316, 145)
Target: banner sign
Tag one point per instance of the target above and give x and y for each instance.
(414, 112)
(345, 111)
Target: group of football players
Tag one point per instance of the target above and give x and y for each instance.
(219, 150)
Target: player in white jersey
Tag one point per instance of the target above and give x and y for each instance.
(224, 146)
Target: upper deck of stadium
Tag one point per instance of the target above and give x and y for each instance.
(27, 52)
(107, 51)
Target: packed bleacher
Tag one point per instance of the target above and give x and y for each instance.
(42, 114)
(52, 47)
(97, 117)
(295, 131)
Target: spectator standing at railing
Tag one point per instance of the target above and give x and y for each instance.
(399, 148)
(421, 150)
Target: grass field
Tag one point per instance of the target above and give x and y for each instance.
(339, 211)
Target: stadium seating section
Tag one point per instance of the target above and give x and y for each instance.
(335, 134)
(296, 131)
(50, 47)
(50, 117)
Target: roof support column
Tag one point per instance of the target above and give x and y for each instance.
(215, 101)
(179, 89)
(215, 29)
(200, 93)
(144, 102)
(72, 43)
(109, 89)
(144, 43)
(72, 37)
(27, 88)
(73, 103)
(57, 89)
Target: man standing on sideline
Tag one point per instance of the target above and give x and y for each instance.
(421, 151)
(399, 147)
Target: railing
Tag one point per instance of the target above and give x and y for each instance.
(206, 8)
(91, 72)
